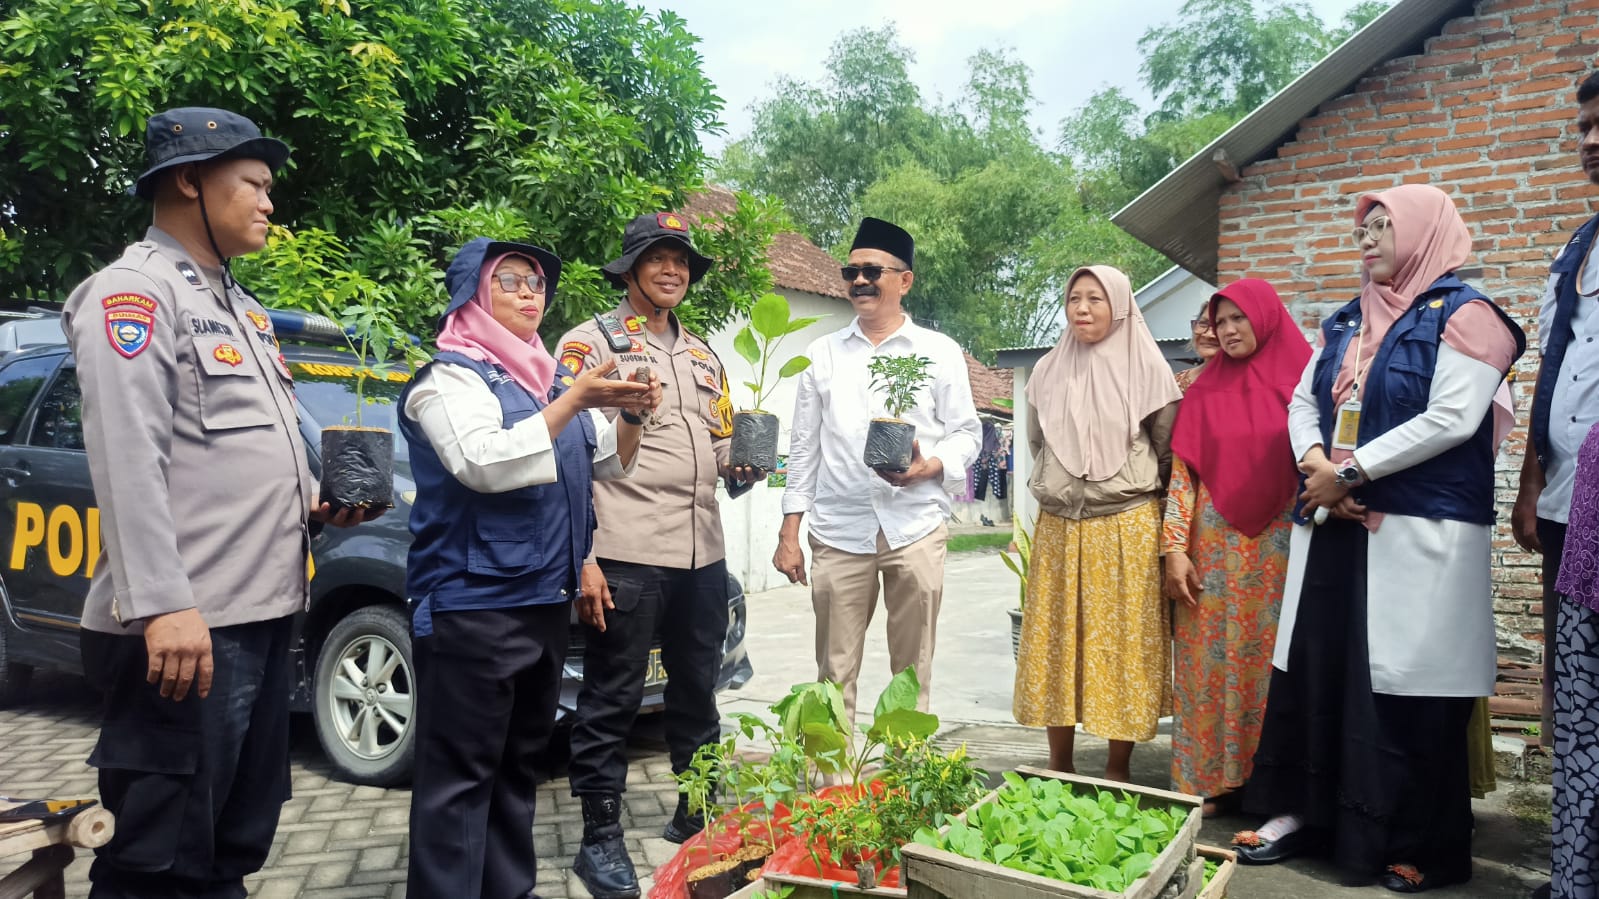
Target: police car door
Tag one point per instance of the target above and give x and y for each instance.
(48, 502)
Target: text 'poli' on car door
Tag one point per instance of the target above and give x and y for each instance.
(46, 500)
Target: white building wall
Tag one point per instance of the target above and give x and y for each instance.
(750, 522)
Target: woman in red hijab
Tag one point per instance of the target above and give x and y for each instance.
(1387, 635)
(1225, 538)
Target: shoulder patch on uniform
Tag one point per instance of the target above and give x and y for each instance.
(129, 299)
(227, 352)
(129, 331)
(721, 409)
(576, 346)
(260, 321)
(573, 361)
(188, 273)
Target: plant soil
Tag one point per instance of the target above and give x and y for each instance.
(888, 444)
(751, 859)
(715, 880)
(357, 467)
(754, 441)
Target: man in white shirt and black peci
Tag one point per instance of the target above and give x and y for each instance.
(867, 524)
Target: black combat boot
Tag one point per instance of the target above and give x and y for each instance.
(683, 825)
(602, 863)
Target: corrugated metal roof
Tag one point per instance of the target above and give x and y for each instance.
(1179, 216)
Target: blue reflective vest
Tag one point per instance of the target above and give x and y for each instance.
(1456, 484)
(1559, 336)
(473, 550)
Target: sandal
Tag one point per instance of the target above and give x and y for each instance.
(1410, 879)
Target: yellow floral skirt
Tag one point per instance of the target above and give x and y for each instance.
(1096, 633)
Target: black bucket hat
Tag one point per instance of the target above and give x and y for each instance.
(200, 133)
(645, 232)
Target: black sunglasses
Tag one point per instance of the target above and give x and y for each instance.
(871, 272)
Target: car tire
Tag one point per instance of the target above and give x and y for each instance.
(363, 697)
(14, 677)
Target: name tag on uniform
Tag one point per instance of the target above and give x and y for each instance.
(1346, 432)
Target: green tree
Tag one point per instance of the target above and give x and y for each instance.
(415, 125)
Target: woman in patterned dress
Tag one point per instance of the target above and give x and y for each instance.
(1575, 831)
(1095, 645)
(1225, 539)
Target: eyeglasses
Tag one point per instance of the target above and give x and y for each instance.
(1201, 326)
(870, 272)
(1373, 229)
(511, 283)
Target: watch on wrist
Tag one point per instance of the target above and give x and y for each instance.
(1348, 475)
(630, 418)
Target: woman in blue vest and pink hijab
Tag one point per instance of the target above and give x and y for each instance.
(1387, 635)
(504, 448)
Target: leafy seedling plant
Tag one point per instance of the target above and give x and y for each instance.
(1020, 563)
(758, 341)
(898, 378)
(1045, 827)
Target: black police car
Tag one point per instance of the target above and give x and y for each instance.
(353, 652)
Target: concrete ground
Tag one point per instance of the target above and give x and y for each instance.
(973, 672)
(339, 840)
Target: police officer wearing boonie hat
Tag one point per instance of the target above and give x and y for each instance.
(187, 625)
(658, 561)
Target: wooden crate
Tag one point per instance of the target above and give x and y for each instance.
(813, 888)
(935, 874)
(1227, 865)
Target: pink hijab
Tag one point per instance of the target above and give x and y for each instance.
(1092, 399)
(472, 331)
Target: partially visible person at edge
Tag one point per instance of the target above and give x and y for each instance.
(1225, 540)
(504, 447)
(866, 524)
(1387, 632)
(658, 565)
(187, 625)
(1565, 409)
(1204, 344)
(1096, 639)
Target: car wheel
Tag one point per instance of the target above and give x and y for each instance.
(14, 677)
(364, 697)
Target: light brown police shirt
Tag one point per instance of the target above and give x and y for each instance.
(666, 513)
(194, 445)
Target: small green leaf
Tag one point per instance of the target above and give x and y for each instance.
(769, 316)
(794, 366)
(744, 343)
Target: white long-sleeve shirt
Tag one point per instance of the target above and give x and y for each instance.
(463, 421)
(847, 502)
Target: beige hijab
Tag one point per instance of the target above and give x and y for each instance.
(1091, 399)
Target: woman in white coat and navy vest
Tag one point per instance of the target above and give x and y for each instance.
(504, 448)
(1387, 633)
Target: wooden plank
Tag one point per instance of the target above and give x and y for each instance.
(810, 886)
(1227, 866)
(41, 876)
(1166, 795)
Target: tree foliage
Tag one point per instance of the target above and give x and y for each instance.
(994, 212)
(415, 125)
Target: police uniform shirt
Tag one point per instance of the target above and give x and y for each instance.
(666, 513)
(194, 445)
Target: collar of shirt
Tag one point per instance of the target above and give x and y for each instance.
(906, 330)
(168, 246)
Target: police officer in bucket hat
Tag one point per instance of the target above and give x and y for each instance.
(206, 513)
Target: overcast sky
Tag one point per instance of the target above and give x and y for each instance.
(1073, 47)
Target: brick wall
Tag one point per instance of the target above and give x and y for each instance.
(1484, 111)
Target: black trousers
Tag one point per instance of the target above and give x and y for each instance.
(1386, 776)
(487, 685)
(689, 608)
(196, 785)
(1552, 535)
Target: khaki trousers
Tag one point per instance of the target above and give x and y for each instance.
(844, 589)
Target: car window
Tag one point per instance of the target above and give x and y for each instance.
(19, 381)
(59, 421)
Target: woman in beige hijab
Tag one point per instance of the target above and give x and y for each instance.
(1095, 646)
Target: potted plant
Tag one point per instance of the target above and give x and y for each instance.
(1019, 565)
(358, 461)
(890, 441)
(754, 429)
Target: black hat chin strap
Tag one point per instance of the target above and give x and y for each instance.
(227, 269)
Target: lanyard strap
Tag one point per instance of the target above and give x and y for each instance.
(1360, 345)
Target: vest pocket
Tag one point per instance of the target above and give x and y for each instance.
(231, 392)
(504, 541)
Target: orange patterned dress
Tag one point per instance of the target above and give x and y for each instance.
(1223, 648)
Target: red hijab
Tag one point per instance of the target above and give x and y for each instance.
(1232, 428)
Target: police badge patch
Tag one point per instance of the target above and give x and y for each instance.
(128, 330)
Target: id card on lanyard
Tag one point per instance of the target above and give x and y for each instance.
(1346, 427)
